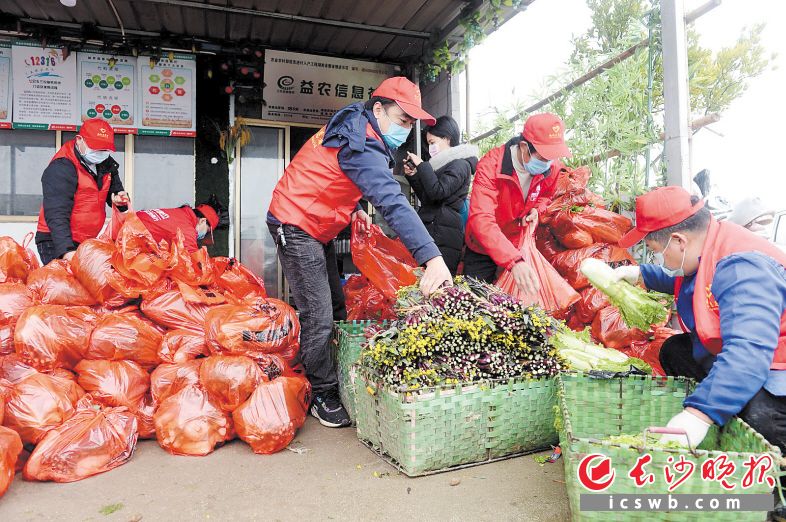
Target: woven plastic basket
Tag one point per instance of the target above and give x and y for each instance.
(594, 409)
(446, 427)
(348, 339)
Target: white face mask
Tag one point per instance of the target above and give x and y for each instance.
(433, 149)
(95, 157)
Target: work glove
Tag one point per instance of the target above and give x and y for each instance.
(628, 273)
(695, 427)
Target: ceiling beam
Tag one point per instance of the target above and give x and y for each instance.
(189, 4)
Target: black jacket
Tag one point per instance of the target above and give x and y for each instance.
(442, 185)
(59, 183)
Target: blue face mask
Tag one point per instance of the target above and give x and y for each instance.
(201, 235)
(396, 134)
(676, 272)
(537, 166)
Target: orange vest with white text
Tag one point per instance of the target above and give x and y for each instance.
(725, 239)
(89, 211)
(315, 195)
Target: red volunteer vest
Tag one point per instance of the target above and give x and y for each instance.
(163, 223)
(725, 239)
(315, 195)
(89, 211)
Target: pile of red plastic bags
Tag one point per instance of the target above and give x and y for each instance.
(575, 227)
(133, 339)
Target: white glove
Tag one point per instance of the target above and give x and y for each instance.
(628, 273)
(695, 427)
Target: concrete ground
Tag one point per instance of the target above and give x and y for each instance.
(332, 477)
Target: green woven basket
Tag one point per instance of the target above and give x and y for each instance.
(348, 339)
(442, 428)
(594, 409)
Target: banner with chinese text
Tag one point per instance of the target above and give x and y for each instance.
(303, 88)
(5, 86)
(167, 96)
(108, 89)
(44, 88)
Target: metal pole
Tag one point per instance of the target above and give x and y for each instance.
(245, 11)
(416, 81)
(232, 181)
(467, 106)
(675, 93)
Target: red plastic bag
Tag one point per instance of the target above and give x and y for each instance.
(237, 279)
(646, 351)
(168, 379)
(611, 331)
(229, 379)
(385, 262)
(116, 221)
(181, 346)
(6, 339)
(16, 261)
(128, 336)
(650, 352)
(187, 423)
(568, 262)
(269, 326)
(365, 302)
(92, 266)
(547, 243)
(14, 300)
(39, 403)
(591, 302)
(93, 441)
(268, 420)
(590, 225)
(114, 383)
(193, 269)
(570, 191)
(53, 336)
(10, 448)
(56, 284)
(575, 324)
(171, 310)
(554, 293)
(138, 258)
(144, 412)
(13, 369)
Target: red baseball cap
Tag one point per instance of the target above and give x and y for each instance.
(659, 209)
(98, 134)
(407, 95)
(546, 132)
(210, 215)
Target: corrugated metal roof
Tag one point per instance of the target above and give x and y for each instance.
(397, 31)
(417, 22)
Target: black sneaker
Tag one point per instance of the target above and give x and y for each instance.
(327, 408)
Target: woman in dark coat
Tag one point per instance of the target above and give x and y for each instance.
(442, 184)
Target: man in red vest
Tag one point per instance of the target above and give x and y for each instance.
(195, 223)
(513, 183)
(730, 289)
(80, 181)
(348, 159)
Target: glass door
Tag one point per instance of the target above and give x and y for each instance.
(262, 163)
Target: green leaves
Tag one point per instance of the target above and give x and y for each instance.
(610, 126)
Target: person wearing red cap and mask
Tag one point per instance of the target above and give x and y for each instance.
(512, 184)
(80, 181)
(349, 159)
(195, 223)
(730, 289)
